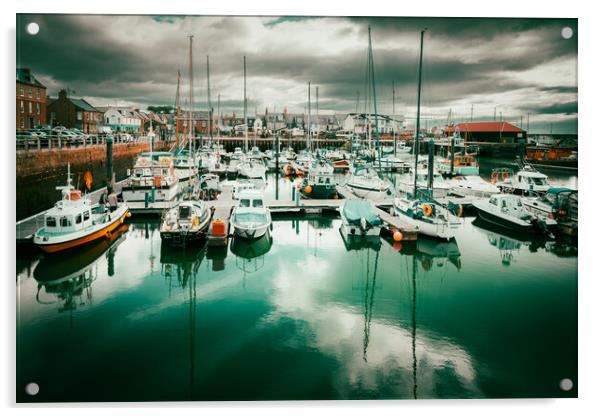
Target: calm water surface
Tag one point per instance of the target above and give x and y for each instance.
(301, 317)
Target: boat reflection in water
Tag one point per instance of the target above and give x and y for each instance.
(68, 277)
(180, 264)
(250, 253)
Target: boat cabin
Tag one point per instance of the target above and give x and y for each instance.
(529, 177)
(506, 202)
(70, 214)
(251, 199)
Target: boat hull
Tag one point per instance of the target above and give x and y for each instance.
(250, 233)
(164, 193)
(371, 194)
(504, 223)
(320, 192)
(104, 232)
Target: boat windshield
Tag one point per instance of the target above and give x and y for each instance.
(250, 217)
(257, 203)
(538, 181)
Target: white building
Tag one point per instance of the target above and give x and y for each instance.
(359, 123)
(122, 119)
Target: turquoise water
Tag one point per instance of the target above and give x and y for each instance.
(300, 317)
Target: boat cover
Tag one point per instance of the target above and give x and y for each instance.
(354, 210)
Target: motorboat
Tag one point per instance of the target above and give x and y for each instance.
(366, 183)
(527, 181)
(74, 221)
(360, 220)
(426, 216)
(440, 188)
(471, 185)
(185, 223)
(252, 169)
(209, 186)
(319, 183)
(508, 211)
(560, 204)
(153, 177)
(251, 218)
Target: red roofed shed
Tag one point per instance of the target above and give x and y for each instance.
(491, 131)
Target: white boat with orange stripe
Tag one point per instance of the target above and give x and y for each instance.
(75, 221)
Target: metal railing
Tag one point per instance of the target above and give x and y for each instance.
(60, 141)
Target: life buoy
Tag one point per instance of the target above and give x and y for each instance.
(504, 175)
(427, 210)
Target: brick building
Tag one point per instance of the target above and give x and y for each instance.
(31, 100)
(73, 113)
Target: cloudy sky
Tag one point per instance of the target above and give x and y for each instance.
(506, 67)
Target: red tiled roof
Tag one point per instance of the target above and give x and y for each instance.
(489, 126)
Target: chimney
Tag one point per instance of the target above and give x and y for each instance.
(62, 95)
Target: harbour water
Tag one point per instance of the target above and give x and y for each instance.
(487, 315)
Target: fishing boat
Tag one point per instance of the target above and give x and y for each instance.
(471, 185)
(560, 204)
(153, 175)
(74, 221)
(185, 223)
(251, 218)
(527, 181)
(508, 211)
(463, 164)
(440, 187)
(366, 183)
(418, 209)
(360, 220)
(319, 183)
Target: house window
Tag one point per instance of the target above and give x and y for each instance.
(30, 92)
(30, 108)
(38, 108)
(22, 105)
(21, 91)
(38, 93)
(22, 123)
(79, 115)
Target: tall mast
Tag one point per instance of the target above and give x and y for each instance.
(244, 64)
(178, 111)
(394, 125)
(317, 117)
(418, 111)
(209, 109)
(190, 102)
(371, 60)
(219, 96)
(309, 116)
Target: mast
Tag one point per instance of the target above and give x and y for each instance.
(244, 64)
(394, 125)
(219, 132)
(190, 127)
(309, 116)
(178, 111)
(371, 60)
(317, 118)
(209, 109)
(418, 111)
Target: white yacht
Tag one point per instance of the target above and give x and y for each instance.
(472, 185)
(365, 183)
(441, 187)
(526, 181)
(153, 175)
(426, 217)
(251, 219)
(252, 169)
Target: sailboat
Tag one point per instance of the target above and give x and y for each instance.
(188, 221)
(364, 183)
(422, 211)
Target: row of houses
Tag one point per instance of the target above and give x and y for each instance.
(35, 108)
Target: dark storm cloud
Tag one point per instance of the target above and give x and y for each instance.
(567, 108)
(135, 59)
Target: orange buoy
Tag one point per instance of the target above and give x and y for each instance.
(427, 209)
(397, 236)
(308, 189)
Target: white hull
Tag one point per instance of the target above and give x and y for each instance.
(434, 227)
(375, 195)
(251, 232)
(164, 194)
(356, 230)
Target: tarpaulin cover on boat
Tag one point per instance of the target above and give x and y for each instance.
(355, 210)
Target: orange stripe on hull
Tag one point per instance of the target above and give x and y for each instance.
(53, 248)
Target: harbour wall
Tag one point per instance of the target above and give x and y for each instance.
(39, 172)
